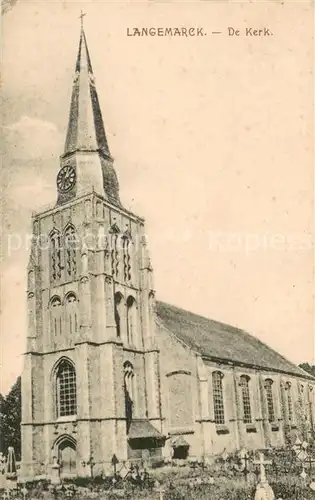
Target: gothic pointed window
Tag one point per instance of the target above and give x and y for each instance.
(269, 398)
(310, 402)
(114, 240)
(70, 252)
(131, 319)
(66, 392)
(288, 390)
(71, 305)
(129, 391)
(55, 317)
(218, 401)
(118, 303)
(247, 412)
(55, 256)
(126, 240)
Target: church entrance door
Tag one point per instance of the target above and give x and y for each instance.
(67, 458)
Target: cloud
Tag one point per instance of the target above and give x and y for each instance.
(32, 138)
(40, 190)
(7, 5)
(26, 123)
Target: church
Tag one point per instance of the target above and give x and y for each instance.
(111, 371)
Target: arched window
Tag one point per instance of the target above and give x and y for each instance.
(218, 403)
(247, 413)
(310, 402)
(31, 280)
(72, 313)
(269, 397)
(55, 316)
(126, 241)
(70, 252)
(66, 392)
(118, 303)
(55, 256)
(131, 319)
(288, 391)
(129, 391)
(114, 232)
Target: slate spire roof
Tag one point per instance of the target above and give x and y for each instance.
(86, 147)
(86, 131)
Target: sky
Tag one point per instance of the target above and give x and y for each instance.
(213, 144)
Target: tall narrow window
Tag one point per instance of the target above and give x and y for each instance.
(303, 409)
(55, 256)
(66, 393)
(126, 239)
(269, 397)
(114, 230)
(55, 317)
(70, 252)
(118, 302)
(72, 313)
(129, 391)
(218, 402)
(310, 405)
(131, 319)
(288, 391)
(247, 413)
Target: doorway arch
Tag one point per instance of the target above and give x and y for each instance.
(65, 449)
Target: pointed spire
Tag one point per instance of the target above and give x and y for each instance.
(86, 128)
(86, 147)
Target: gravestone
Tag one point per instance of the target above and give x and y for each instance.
(159, 489)
(55, 472)
(11, 473)
(11, 464)
(263, 489)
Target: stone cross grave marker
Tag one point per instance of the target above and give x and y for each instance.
(11, 464)
(159, 489)
(263, 490)
(24, 492)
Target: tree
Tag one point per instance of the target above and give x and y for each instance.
(10, 420)
(308, 368)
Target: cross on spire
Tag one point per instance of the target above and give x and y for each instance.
(81, 17)
(86, 133)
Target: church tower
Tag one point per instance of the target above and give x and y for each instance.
(90, 383)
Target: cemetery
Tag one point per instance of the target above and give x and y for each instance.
(271, 474)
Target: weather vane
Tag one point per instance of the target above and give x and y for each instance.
(81, 17)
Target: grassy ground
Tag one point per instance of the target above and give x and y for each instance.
(176, 483)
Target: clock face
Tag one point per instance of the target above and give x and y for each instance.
(66, 178)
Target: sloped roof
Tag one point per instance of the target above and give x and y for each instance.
(142, 428)
(218, 341)
(179, 441)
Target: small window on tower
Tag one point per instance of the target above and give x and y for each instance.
(56, 317)
(55, 256)
(131, 319)
(118, 303)
(72, 313)
(129, 391)
(70, 252)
